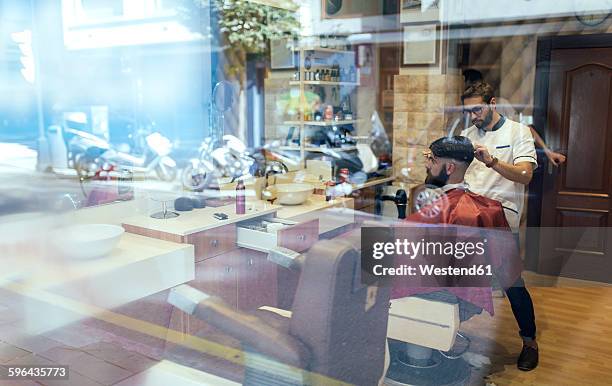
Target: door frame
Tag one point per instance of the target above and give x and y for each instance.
(545, 46)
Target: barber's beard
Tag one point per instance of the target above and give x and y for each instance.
(440, 180)
(483, 123)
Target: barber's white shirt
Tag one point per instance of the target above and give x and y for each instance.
(512, 142)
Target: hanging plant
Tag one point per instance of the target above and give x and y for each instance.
(246, 26)
(250, 26)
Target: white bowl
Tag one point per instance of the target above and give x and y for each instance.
(86, 241)
(292, 194)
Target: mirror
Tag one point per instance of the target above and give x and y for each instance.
(223, 98)
(224, 95)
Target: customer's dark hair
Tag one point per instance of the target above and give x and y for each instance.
(458, 148)
(481, 89)
(471, 76)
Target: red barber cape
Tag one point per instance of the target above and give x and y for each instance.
(471, 214)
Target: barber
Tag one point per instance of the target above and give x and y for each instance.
(504, 107)
(507, 157)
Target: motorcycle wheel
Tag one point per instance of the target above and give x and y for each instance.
(194, 178)
(165, 172)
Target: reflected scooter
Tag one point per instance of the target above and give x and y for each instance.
(155, 158)
(86, 150)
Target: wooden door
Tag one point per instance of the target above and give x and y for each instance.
(576, 205)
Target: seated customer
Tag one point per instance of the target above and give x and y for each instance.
(447, 161)
(420, 323)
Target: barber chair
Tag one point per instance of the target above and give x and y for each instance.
(423, 329)
(421, 332)
(336, 331)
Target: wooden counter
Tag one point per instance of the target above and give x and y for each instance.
(199, 220)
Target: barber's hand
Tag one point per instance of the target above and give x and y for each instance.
(482, 154)
(554, 157)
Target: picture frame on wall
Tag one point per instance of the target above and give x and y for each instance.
(417, 11)
(411, 4)
(420, 45)
(282, 56)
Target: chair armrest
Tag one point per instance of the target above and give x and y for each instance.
(277, 311)
(287, 258)
(247, 328)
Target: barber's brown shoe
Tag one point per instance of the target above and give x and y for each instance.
(528, 360)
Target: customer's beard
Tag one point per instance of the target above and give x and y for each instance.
(440, 180)
(483, 123)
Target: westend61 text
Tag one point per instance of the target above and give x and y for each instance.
(432, 270)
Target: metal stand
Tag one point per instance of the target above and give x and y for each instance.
(416, 365)
(165, 213)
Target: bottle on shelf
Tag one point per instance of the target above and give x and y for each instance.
(329, 190)
(329, 113)
(344, 106)
(344, 175)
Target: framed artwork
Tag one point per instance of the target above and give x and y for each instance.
(411, 4)
(420, 45)
(281, 55)
(419, 11)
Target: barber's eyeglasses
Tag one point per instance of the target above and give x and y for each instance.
(474, 110)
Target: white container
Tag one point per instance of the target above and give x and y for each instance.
(292, 194)
(57, 147)
(86, 241)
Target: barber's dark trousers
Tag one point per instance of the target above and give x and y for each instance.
(522, 308)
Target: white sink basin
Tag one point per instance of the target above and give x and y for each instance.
(86, 241)
(291, 194)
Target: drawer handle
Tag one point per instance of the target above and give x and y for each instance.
(250, 261)
(228, 269)
(214, 243)
(301, 237)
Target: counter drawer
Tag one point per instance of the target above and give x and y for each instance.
(291, 234)
(213, 242)
(208, 243)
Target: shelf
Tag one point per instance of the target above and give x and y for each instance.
(323, 123)
(321, 82)
(316, 149)
(321, 49)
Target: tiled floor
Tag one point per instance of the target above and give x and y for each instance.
(574, 334)
(96, 364)
(93, 355)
